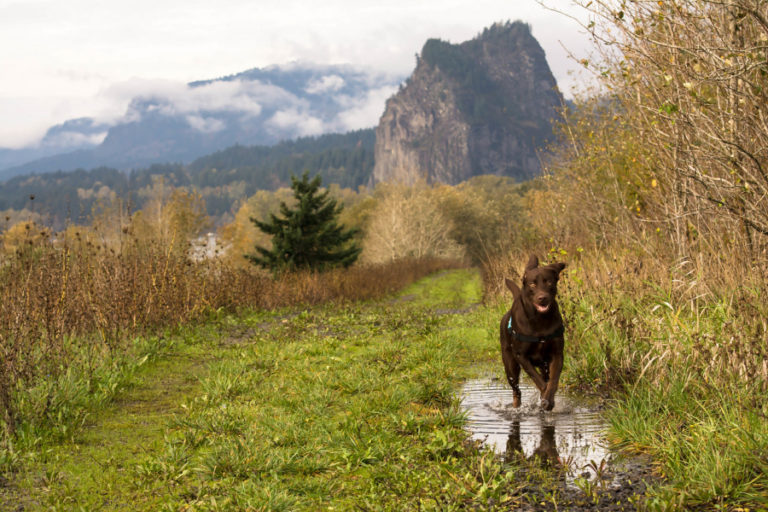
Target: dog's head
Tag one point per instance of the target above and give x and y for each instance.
(539, 285)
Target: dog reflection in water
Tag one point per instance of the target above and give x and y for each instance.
(546, 452)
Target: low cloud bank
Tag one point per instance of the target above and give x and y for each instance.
(307, 101)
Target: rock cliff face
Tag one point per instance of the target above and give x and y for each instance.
(484, 106)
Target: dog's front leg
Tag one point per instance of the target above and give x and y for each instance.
(512, 369)
(548, 393)
(535, 376)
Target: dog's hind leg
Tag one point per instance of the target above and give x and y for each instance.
(545, 370)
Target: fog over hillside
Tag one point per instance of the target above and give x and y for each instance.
(175, 122)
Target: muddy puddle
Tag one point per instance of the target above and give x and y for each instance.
(571, 435)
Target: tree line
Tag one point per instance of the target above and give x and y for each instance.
(222, 179)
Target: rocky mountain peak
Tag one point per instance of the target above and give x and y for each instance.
(484, 106)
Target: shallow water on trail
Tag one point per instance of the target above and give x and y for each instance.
(570, 434)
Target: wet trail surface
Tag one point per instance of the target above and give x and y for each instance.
(570, 438)
(572, 431)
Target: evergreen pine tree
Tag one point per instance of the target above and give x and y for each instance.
(307, 236)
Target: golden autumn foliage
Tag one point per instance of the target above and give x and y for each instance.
(407, 221)
(687, 151)
(170, 216)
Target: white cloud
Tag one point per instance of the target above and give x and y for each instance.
(69, 139)
(24, 121)
(205, 124)
(328, 83)
(363, 112)
(298, 122)
(196, 103)
(174, 98)
(234, 96)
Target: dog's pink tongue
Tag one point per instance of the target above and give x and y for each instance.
(541, 309)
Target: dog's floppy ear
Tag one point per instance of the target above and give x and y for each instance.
(533, 262)
(512, 287)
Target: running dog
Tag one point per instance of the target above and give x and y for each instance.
(532, 332)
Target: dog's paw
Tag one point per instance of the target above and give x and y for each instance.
(547, 405)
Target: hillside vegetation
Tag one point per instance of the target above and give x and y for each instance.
(222, 179)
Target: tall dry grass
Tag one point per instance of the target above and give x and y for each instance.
(655, 194)
(650, 317)
(78, 296)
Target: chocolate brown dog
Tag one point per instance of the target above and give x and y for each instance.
(532, 332)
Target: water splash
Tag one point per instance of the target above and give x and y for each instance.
(569, 435)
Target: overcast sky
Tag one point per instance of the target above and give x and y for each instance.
(62, 59)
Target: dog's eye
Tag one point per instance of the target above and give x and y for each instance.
(532, 285)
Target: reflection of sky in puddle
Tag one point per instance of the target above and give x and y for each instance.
(571, 432)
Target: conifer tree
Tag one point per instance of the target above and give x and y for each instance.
(307, 236)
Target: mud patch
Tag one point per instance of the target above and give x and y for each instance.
(457, 311)
(403, 298)
(569, 439)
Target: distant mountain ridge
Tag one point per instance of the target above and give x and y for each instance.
(223, 178)
(256, 107)
(484, 106)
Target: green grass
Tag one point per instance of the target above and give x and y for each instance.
(340, 406)
(688, 390)
(710, 448)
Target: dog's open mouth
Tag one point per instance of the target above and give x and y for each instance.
(541, 308)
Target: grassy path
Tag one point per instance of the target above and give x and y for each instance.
(96, 470)
(336, 407)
